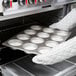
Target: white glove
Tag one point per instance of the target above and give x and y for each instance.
(67, 23)
(61, 52)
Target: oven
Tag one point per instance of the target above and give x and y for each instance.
(18, 15)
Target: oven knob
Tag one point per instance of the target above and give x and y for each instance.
(6, 3)
(21, 2)
(41, 1)
(31, 1)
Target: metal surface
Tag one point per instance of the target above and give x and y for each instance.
(15, 8)
(63, 2)
(24, 65)
(45, 39)
(25, 12)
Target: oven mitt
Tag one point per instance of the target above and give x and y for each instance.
(67, 23)
(61, 52)
(64, 50)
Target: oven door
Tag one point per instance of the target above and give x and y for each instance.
(11, 27)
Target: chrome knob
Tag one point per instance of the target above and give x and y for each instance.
(6, 3)
(21, 2)
(31, 1)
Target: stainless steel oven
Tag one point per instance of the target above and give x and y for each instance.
(18, 15)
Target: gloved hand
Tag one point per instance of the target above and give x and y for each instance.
(64, 50)
(67, 23)
(61, 52)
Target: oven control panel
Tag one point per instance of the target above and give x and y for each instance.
(20, 3)
(9, 7)
(18, 6)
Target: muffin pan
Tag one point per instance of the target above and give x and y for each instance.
(37, 39)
